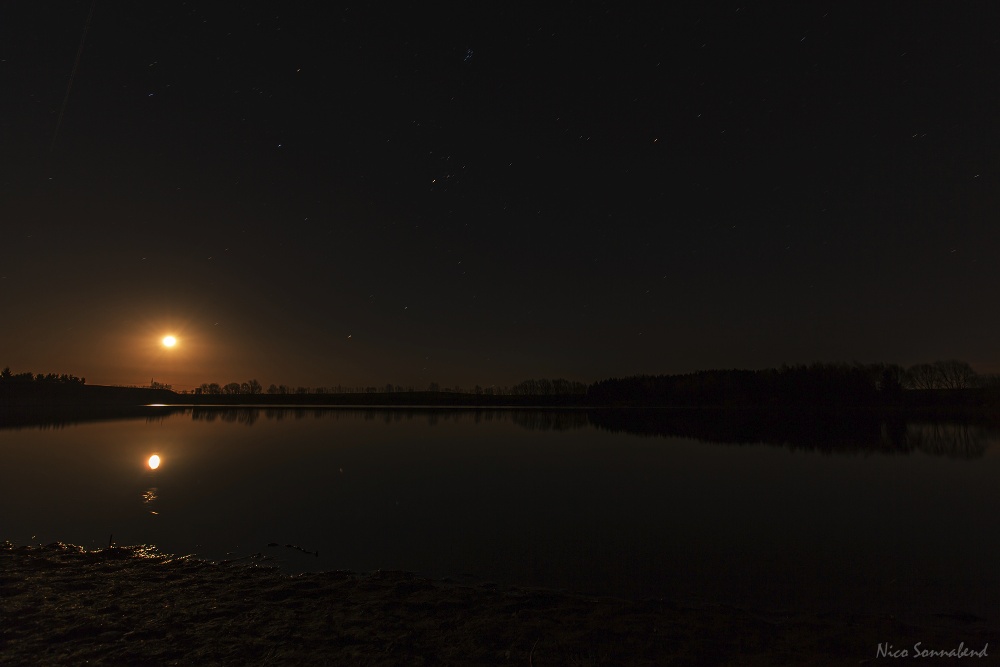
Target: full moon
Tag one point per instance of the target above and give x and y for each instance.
(154, 462)
(169, 341)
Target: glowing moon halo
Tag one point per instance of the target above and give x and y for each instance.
(169, 341)
(154, 462)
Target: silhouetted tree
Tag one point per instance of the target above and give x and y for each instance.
(251, 387)
(41, 378)
(889, 381)
(955, 374)
(922, 376)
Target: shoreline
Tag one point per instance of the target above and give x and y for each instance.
(966, 434)
(832, 397)
(62, 604)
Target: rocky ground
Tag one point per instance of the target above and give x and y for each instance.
(61, 605)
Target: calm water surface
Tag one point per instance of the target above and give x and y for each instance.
(530, 498)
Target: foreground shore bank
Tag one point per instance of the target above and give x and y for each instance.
(61, 604)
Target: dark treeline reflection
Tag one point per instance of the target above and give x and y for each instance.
(61, 416)
(950, 439)
(823, 431)
(551, 420)
(829, 432)
(535, 420)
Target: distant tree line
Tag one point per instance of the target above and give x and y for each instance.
(818, 384)
(540, 387)
(250, 387)
(835, 385)
(545, 387)
(50, 378)
(943, 375)
(23, 393)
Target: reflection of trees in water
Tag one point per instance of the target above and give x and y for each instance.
(275, 414)
(817, 431)
(550, 420)
(951, 439)
(247, 416)
(61, 416)
(157, 418)
(534, 420)
(831, 432)
(828, 432)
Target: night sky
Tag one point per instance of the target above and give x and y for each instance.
(483, 192)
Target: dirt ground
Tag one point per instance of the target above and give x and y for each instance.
(62, 605)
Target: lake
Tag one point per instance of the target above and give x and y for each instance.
(768, 512)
